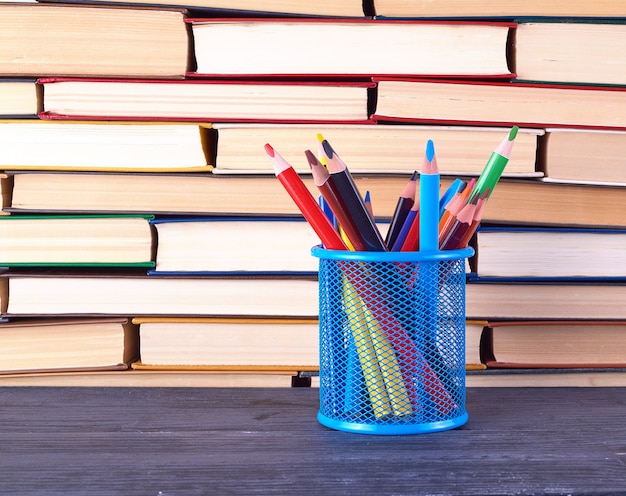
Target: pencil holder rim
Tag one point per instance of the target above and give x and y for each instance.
(391, 256)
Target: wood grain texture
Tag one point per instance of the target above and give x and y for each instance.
(247, 441)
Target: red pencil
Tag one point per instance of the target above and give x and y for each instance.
(303, 198)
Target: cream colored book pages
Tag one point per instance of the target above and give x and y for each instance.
(75, 240)
(101, 146)
(210, 101)
(235, 344)
(162, 296)
(378, 149)
(91, 41)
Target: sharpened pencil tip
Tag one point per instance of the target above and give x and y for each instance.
(513, 133)
(320, 138)
(328, 150)
(311, 158)
(430, 150)
(269, 150)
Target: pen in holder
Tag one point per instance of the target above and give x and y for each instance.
(392, 340)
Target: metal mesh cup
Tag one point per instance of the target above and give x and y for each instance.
(392, 340)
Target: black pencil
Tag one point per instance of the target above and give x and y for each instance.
(403, 206)
(344, 186)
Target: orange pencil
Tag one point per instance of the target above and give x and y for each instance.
(303, 198)
(454, 206)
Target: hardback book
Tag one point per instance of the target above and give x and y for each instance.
(262, 245)
(19, 98)
(500, 103)
(153, 193)
(371, 149)
(206, 100)
(64, 345)
(473, 336)
(555, 344)
(331, 8)
(550, 253)
(513, 201)
(571, 154)
(81, 240)
(573, 300)
(538, 202)
(227, 344)
(348, 47)
(83, 294)
(102, 146)
(564, 52)
(85, 40)
(498, 8)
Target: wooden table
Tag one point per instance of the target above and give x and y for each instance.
(247, 441)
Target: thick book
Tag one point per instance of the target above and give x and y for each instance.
(500, 103)
(64, 345)
(19, 98)
(228, 344)
(570, 155)
(206, 100)
(571, 52)
(498, 8)
(516, 201)
(102, 146)
(550, 253)
(83, 294)
(76, 240)
(348, 47)
(262, 245)
(555, 344)
(371, 149)
(331, 8)
(85, 40)
(514, 300)
(180, 193)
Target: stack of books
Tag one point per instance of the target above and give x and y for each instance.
(140, 207)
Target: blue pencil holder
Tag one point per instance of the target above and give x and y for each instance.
(392, 341)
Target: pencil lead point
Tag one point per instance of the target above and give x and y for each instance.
(328, 150)
(513, 133)
(311, 158)
(430, 150)
(320, 138)
(269, 150)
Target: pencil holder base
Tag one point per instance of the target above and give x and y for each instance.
(390, 429)
(392, 341)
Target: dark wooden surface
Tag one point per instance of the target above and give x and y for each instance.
(187, 441)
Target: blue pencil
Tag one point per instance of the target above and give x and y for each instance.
(429, 201)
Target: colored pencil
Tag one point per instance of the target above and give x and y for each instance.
(342, 181)
(331, 195)
(403, 206)
(303, 198)
(406, 227)
(495, 165)
(461, 225)
(429, 201)
(458, 201)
